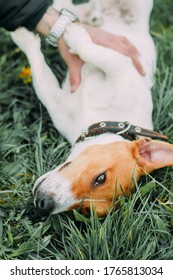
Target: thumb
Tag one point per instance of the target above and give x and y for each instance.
(75, 74)
(75, 79)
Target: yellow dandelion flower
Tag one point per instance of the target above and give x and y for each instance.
(27, 80)
(26, 74)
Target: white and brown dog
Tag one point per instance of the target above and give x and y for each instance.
(112, 103)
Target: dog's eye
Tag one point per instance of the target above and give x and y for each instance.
(100, 180)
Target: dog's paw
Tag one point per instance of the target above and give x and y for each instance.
(76, 37)
(24, 39)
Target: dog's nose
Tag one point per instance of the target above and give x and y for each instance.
(45, 204)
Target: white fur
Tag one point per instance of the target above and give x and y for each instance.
(58, 187)
(111, 88)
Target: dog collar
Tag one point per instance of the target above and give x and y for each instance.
(125, 129)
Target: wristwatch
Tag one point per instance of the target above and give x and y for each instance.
(66, 17)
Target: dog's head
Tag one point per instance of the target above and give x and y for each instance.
(99, 174)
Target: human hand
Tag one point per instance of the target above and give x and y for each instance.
(118, 43)
(100, 37)
(73, 62)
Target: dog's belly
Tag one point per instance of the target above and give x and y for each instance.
(121, 99)
(102, 99)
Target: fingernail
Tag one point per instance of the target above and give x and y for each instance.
(142, 72)
(73, 88)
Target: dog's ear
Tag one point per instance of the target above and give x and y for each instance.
(152, 154)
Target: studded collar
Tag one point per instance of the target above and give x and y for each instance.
(125, 129)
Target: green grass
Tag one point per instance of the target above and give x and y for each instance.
(141, 228)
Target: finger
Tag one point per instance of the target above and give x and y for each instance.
(133, 49)
(75, 79)
(75, 73)
(128, 49)
(134, 54)
(138, 65)
(74, 85)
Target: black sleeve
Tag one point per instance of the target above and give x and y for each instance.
(16, 13)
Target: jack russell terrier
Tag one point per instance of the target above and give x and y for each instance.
(108, 121)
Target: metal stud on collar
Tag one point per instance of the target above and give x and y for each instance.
(121, 125)
(124, 130)
(102, 124)
(138, 129)
(84, 133)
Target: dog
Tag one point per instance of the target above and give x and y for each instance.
(108, 121)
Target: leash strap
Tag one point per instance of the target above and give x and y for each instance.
(124, 129)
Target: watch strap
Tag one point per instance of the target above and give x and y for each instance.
(65, 18)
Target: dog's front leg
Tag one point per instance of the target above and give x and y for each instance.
(45, 83)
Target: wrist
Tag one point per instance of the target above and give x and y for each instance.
(47, 21)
